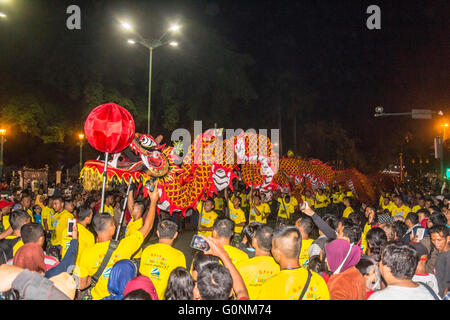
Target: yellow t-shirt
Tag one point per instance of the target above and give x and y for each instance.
(237, 215)
(349, 194)
(218, 204)
(416, 208)
(311, 202)
(157, 262)
(255, 272)
(402, 211)
(61, 227)
(286, 209)
(347, 212)
(134, 226)
(109, 209)
(263, 209)
(17, 245)
(244, 200)
(47, 213)
(5, 221)
(85, 240)
(288, 284)
(30, 213)
(92, 258)
(304, 252)
(236, 255)
(207, 220)
(323, 199)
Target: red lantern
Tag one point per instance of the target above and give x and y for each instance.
(109, 128)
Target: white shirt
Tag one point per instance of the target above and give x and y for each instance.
(402, 293)
(429, 279)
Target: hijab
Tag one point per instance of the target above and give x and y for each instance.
(144, 283)
(336, 252)
(121, 273)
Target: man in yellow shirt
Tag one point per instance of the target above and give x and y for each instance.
(286, 209)
(305, 225)
(58, 206)
(47, 214)
(237, 215)
(259, 211)
(218, 204)
(400, 209)
(108, 205)
(290, 281)
(26, 205)
(207, 217)
(158, 260)
(257, 270)
(85, 237)
(308, 198)
(92, 257)
(136, 209)
(321, 202)
(18, 219)
(61, 227)
(222, 232)
(5, 211)
(387, 204)
(348, 209)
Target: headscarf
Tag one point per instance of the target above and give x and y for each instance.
(121, 273)
(336, 252)
(30, 256)
(144, 283)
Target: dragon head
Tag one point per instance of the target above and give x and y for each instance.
(151, 153)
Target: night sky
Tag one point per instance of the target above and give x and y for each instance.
(326, 44)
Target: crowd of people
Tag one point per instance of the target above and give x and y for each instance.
(321, 245)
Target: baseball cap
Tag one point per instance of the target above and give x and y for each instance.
(6, 203)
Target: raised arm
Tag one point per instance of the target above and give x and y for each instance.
(150, 218)
(238, 283)
(322, 225)
(130, 202)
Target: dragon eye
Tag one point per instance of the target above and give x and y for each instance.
(147, 142)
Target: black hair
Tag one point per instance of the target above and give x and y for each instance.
(365, 264)
(376, 239)
(306, 223)
(413, 217)
(331, 220)
(138, 294)
(18, 218)
(224, 228)
(355, 217)
(250, 229)
(31, 232)
(439, 229)
(294, 246)
(351, 231)
(401, 259)
(400, 229)
(83, 213)
(424, 211)
(180, 285)
(167, 229)
(201, 259)
(214, 282)
(101, 221)
(315, 264)
(438, 219)
(264, 237)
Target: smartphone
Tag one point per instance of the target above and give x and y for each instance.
(199, 243)
(420, 233)
(70, 224)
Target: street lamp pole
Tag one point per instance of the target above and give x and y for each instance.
(150, 44)
(81, 137)
(2, 141)
(149, 88)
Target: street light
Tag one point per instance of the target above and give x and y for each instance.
(2, 141)
(2, 15)
(81, 138)
(150, 44)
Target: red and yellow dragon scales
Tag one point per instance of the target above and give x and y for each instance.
(210, 165)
